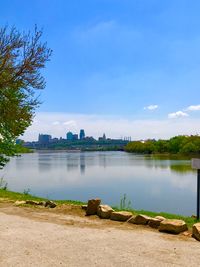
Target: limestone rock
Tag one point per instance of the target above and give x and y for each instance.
(50, 204)
(160, 218)
(120, 216)
(154, 223)
(20, 202)
(196, 231)
(32, 202)
(104, 211)
(140, 219)
(92, 206)
(172, 226)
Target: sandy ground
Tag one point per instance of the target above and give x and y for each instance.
(65, 237)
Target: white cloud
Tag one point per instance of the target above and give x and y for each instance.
(112, 126)
(70, 123)
(151, 107)
(178, 114)
(193, 108)
(56, 123)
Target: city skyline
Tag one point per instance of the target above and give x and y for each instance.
(126, 67)
(71, 136)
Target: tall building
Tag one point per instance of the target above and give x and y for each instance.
(44, 139)
(69, 136)
(75, 136)
(82, 134)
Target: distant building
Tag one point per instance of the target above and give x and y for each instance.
(103, 138)
(75, 136)
(69, 136)
(19, 142)
(82, 134)
(54, 140)
(44, 139)
(89, 138)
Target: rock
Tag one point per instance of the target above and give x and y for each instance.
(42, 203)
(92, 206)
(160, 218)
(104, 211)
(140, 219)
(20, 202)
(172, 226)
(121, 216)
(131, 219)
(196, 231)
(154, 223)
(84, 207)
(32, 202)
(50, 204)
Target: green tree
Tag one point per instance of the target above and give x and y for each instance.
(22, 57)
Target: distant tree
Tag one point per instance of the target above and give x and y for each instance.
(22, 56)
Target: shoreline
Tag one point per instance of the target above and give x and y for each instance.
(10, 196)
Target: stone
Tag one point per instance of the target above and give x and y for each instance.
(92, 206)
(173, 226)
(32, 202)
(140, 219)
(50, 204)
(104, 211)
(121, 216)
(42, 203)
(154, 223)
(160, 218)
(196, 231)
(84, 207)
(20, 202)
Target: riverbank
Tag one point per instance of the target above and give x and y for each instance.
(10, 196)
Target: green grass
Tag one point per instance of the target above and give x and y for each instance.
(13, 196)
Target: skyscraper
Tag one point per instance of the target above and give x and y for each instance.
(82, 134)
(69, 136)
(44, 139)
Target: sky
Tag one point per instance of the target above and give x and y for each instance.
(120, 67)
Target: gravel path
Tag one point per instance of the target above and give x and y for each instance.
(31, 241)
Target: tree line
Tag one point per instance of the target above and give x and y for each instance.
(176, 145)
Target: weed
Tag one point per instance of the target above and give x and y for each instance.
(124, 203)
(27, 191)
(3, 184)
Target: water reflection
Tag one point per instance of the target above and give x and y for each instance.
(151, 183)
(44, 162)
(82, 163)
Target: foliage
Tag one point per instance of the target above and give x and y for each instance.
(3, 184)
(179, 144)
(22, 56)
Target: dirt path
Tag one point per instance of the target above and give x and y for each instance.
(65, 237)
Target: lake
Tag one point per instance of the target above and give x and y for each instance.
(156, 184)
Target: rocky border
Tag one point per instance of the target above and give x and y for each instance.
(172, 226)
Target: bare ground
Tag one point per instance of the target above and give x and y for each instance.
(65, 237)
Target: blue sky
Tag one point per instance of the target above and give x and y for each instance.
(128, 67)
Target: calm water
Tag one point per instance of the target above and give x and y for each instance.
(150, 184)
